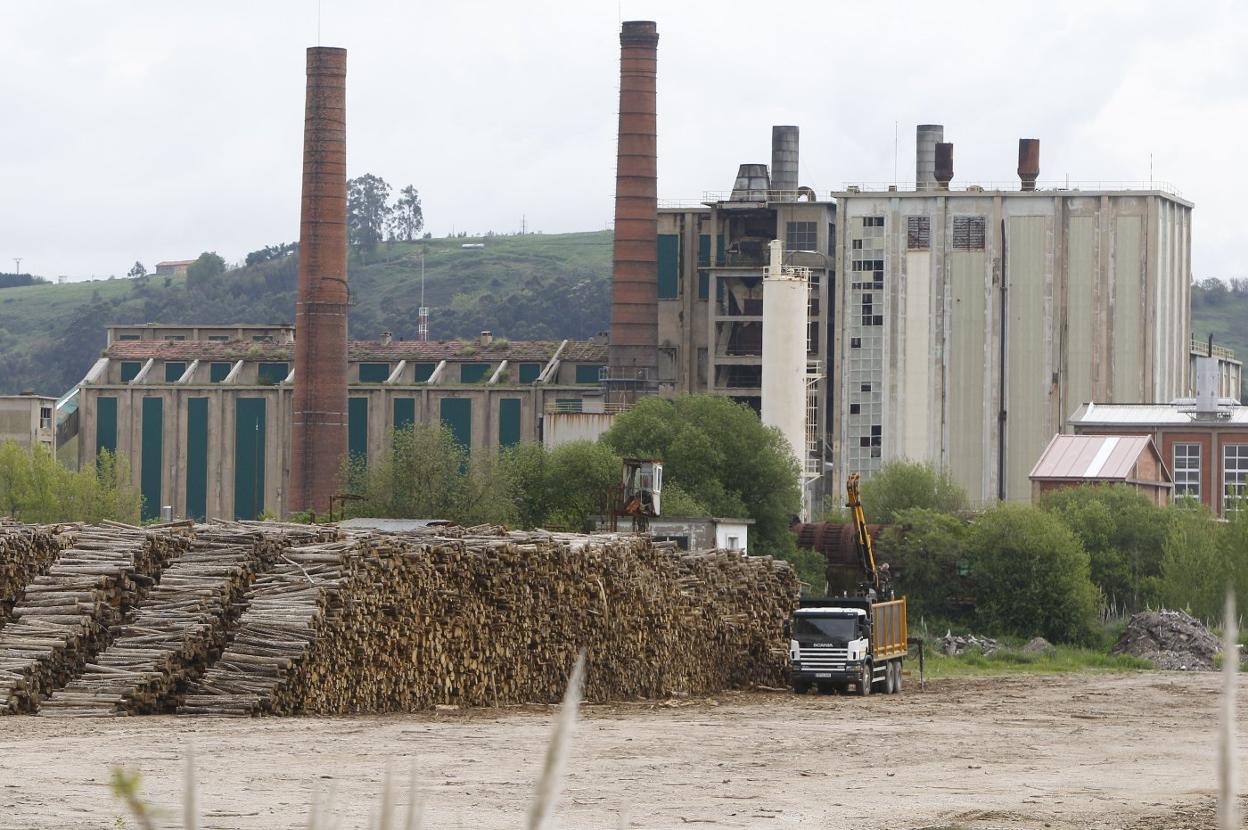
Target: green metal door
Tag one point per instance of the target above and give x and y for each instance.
(197, 458)
(404, 412)
(151, 464)
(249, 429)
(457, 416)
(357, 429)
(106, 424)
(508, 422)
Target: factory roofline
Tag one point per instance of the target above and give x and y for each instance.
(875, 190)
(1152, 414)
(575, 351)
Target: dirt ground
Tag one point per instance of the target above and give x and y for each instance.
(1085, 751)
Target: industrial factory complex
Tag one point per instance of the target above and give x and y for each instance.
(956, 323)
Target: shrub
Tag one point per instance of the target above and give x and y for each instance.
(1031, 576)
(901, 485)
(927, 550)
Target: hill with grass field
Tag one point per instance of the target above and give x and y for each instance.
(536, 286)
(1221, 309)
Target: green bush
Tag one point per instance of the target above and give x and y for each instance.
(1031, 576)
(902, 485)
(927, 550)
(1124, 534)
(34, 487)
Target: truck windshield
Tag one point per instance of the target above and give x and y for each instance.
(840, 629)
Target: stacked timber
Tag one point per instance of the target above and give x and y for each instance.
(481, 617)
(182, 624)
(26, 551)
(65, 616)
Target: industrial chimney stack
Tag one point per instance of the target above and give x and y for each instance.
(784, 162)
(926, 137)
(944, 165)
(1028, 162)
(633, 354)
(318, 439)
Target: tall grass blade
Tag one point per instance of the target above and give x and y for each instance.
(542, 810)
(190, 807)
(1228, 807)
(415, 808)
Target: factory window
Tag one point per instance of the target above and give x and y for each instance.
(873, 221)
(218, 338)
(218, 372)
(456, 415)
(1187, 471)
(869, 317)
(866, 387)
(45, 417)
(704, 250)
(855, 244)
(855, 408)
(509, 410)
(529, 372)
(175, 337)
(669, 266)
(855, 342)
(424, 371)
(129, 337)
(404, 413)
(918, 233)
(1234, 476)
(968, 233)
(587, 372)
(174, 371)
(262, 338)
(374, 372)
(271, 374)
(801, 236)
(130, 370)
(472, 372)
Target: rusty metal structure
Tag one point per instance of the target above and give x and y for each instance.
(319, 423)
(1028, 162)
(633, 349)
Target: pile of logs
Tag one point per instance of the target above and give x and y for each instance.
(66, 615)
(182, 625)
(26, 551)
(481, 617)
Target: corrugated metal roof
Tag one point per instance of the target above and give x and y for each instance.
(1112, 414)
(1091, 457)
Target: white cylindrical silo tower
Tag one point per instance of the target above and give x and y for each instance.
(785, 297)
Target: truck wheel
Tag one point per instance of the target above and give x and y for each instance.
(889, 687)
(897, 679)
(801, 687)
(864, 680)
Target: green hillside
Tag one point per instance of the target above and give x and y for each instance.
(520, 287)
(1222, 311)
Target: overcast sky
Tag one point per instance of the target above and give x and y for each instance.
(150, 130)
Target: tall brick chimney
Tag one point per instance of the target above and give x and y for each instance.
(633, 349)
(318, 440)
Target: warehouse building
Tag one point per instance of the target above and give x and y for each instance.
(27, 420)
(203, 414)
(972, 322)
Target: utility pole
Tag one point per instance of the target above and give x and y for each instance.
(422, 314)
(523, 224)
(17, 264)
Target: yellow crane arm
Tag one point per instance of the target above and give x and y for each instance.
(866, 552)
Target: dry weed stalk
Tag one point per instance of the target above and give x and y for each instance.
(1228, 808)
(543, 809)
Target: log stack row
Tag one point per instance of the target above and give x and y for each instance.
(66, 616)
(182, 625)
(482, 617)
(26, 551)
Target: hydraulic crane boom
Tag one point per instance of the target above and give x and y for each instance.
(866, 552)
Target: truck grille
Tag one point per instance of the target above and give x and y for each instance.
(815, 658)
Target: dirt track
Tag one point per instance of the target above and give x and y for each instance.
(1090, 751)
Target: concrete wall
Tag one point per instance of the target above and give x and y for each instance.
(565, 427)
(20, 421)
(984, 353)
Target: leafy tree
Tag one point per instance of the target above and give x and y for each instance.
(408, 218)
(204, 271)
(901, 485)
(1031, 576)
(137, 270)
(422, 478)
(1195, 570)
(271, 252)
(927, 549)
(34, 487)
(563, 487)
(720, 454)
(1124, 534)
(368, 209)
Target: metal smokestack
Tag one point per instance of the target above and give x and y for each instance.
(1028, 162)
(318, 438)
(633, 350)
(944, 165)
(926, 137)
(784, 162)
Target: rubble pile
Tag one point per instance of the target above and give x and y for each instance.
(1171, 640)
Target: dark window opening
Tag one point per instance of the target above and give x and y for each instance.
(968, 233)
(802, 236)
(918, 233)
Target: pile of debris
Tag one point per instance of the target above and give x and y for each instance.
(955, 645)
(1171, 640)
